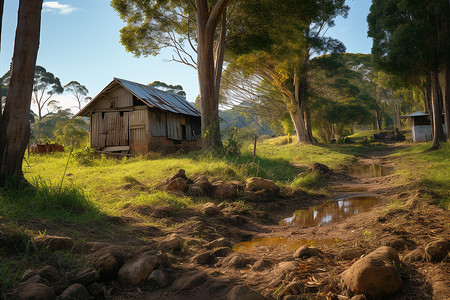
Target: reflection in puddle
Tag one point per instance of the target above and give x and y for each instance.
(284, 242)
(370, 171)
(331, 212)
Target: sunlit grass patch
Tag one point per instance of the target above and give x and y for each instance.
(307, 181)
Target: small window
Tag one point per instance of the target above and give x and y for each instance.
(121, 113)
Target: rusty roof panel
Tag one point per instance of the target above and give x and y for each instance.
(163, 100)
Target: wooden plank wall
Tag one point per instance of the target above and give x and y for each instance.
(116, 124)
(174, 127)
(158, 123)
(139, 133)
(97, 137)
(117, 98)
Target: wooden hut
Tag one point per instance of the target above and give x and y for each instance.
(129, 117)
(421, 126)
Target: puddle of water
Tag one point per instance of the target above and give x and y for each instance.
(370, 171)
(283, 242)
(331, 212)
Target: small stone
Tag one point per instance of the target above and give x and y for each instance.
(219, 243)
(86, 276)
(413, 256)
(75, 291)
(261, 264)
(321, 168)
(164, 211)
(359, 297)
(34, 291)
(96, 290)
(238, 262)
(243, 292)
(172, 243)
(222, 189)
(94, 246)
(160, 278)
(256, 184)
(138, 270)
(437, 251)
(107, 266)
(221, 252)
(54, 243)
(204, 258)
(376, 274)
(351, 253)
(307, 252)
(211, 210)
(48, 273)
(177, 185)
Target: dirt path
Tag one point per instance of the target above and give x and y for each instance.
(266, 262)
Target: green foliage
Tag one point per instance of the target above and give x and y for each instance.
(45, 86)
(307, 181)
(175, 89)
(78, 90)
(71, 132)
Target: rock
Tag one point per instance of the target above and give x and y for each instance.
(189, 281)
(321, 168)
(222, 189)
(238, 261)
(351, 253)
(138, 270)
(32, 279)
(261, 264)
(95, 246)
(211, 210)
(437, 251)
(221, 252)
(48, 273)
(203, 258)
(400, 243)
(415, 255)
(219, 243)
(286, 267)
(160, 278)
(34, 291)
(75, 291)
(307, 252)
(440, 282)
(243, 292)
(172, 243)
(86, 276)
(256, 184)
(179, 184)
(376, 274)
(196, 191)
(54, 243)
(164, 211)
(293, 288)
(181, 174)
(202, 183)
(106, 264)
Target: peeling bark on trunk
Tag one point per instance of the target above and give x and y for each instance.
(300, 127)
(14, 124)
(220, 55)
(445, 87)
(207, 21)
(438, 132)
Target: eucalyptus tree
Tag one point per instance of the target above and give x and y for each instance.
(154, 25)
(79, 91)
(14, 122)
(287, 36)
(176, 89)
(45, 86)
(411, 39)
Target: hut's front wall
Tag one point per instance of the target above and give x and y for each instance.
(421, 133)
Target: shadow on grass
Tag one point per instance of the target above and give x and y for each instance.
(40, 199)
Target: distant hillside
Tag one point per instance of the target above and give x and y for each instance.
(230, 118)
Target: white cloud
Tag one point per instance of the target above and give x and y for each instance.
(56, 7)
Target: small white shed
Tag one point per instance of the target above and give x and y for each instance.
(421, 127)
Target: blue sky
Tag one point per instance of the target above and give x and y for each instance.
(80, 41)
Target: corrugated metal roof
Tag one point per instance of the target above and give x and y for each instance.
(163, 100)
(151, 96)
(417, 114)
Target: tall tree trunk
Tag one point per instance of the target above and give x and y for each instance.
(309, 126)
(445, 87)
(300, 127)
(299, 124)
(220, 55)
(438, 132)
(207, 21)
(14, 123)
(2, 2)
